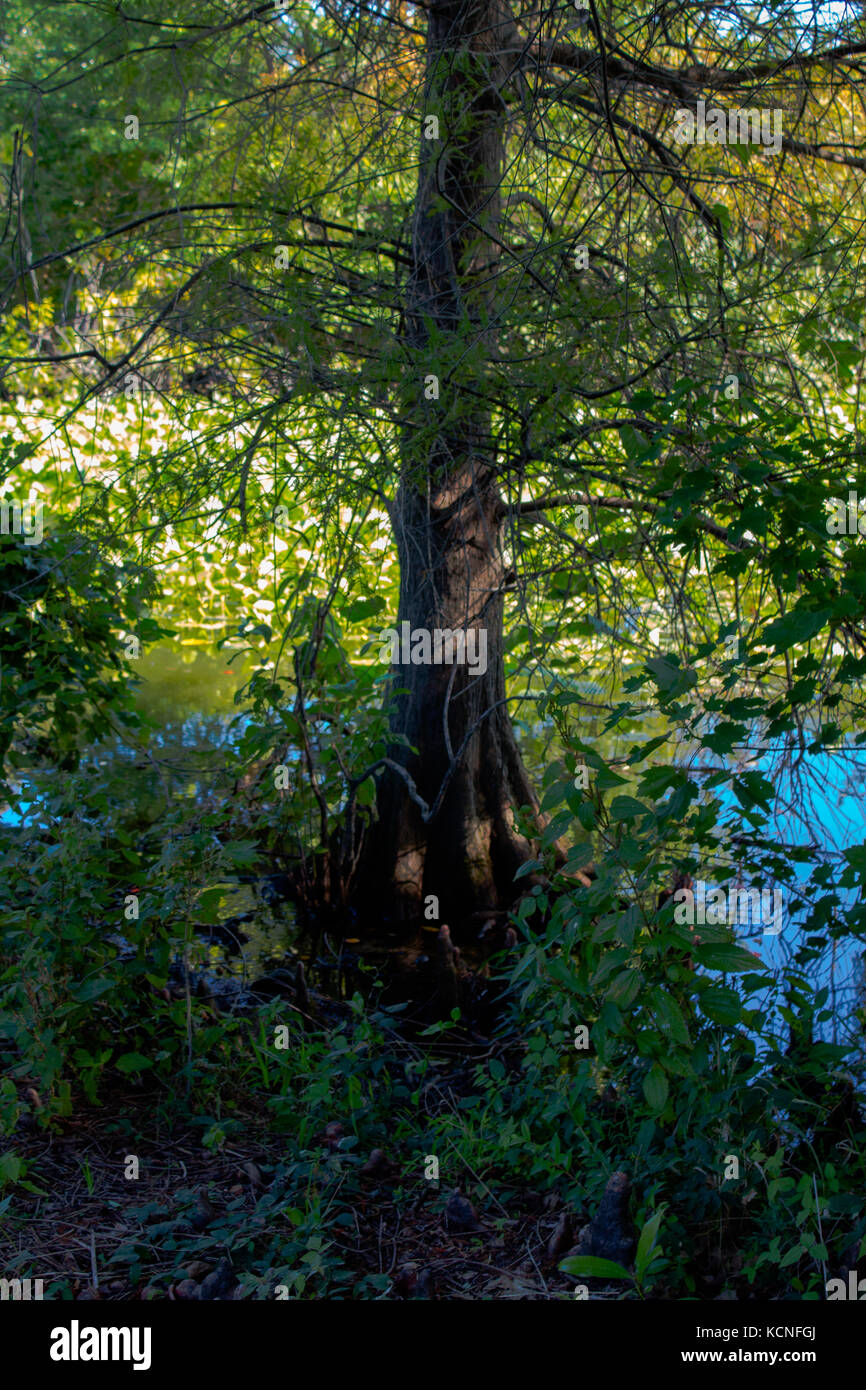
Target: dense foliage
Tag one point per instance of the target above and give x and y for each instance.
(217, 380)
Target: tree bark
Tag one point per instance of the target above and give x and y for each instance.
(461, 845)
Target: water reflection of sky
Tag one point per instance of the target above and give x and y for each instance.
(819, 806)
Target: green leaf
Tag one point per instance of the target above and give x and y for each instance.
(656, 780)
(556, 827)
(133, 1061)
(797, 626)
(209, 904)
(242, 852)
(555, 794)
(91, 989)
(634, 443)
(721, 1005)
(722, 212)
(364, 608)
(11, 1168)
(627, 807)
(670, 1016)
(724, 738)
(590, 1266)
(655, 1088)
(730, 958)
(643, 750)
(647, 1240)
(366, 793)
(530, 867)
(752, 789)
(125, 1255)
(625, 988)
(845, 1203)
(666, 674)
(792, 1256)
(579, 856)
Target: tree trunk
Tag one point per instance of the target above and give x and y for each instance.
(461, 845)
